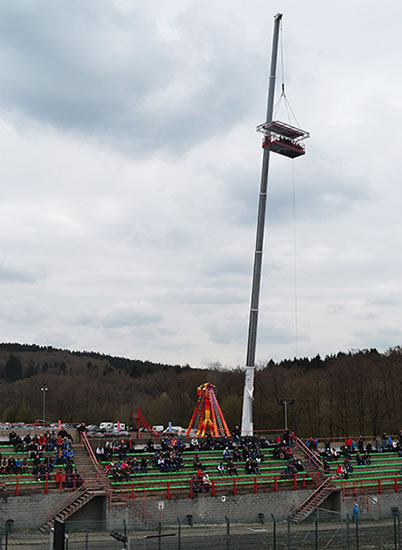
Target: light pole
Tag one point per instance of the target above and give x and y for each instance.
(285, 403)
(44, 390)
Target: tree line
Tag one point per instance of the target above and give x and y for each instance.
(347, 393)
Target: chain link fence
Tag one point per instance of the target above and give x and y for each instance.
(324, 530)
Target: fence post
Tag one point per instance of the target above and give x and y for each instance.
(357, 532)
(379, 486)
(274, 532)
(213, 488)
(397, 527)
(132, 490)
(191, 488)
(227, 533)
(396, 485)
(234, 486)
(276, 484)
(46, 486)
(255, 484)
(179, 534)
(304, 480)
(168, 490)
(17, 492)
(294, 482)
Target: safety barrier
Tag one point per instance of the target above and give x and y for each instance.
(232, 484)
(58, 481)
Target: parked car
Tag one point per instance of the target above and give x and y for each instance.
(175, 430)
(41, 423)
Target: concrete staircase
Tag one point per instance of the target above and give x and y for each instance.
(96, 483)
(93, 479)
(313, 501)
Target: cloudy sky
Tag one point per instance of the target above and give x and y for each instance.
(130, 173)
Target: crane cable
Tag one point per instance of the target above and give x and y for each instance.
(288, 107)
(290, 112)
(295, 289)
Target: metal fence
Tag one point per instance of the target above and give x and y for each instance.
(325, 529)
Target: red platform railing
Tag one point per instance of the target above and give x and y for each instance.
(233, 484)
(59, 480)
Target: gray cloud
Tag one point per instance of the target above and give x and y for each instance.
(9, 274)
(112, 76)
(130, 177)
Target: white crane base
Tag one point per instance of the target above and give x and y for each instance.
(247, 415)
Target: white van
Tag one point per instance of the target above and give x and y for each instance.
(122, 427)
(158, 429)
(107, 426)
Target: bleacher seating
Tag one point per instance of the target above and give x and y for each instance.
(270, 475)
(54, 477)
(380, 474)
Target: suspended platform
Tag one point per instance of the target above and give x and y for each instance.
(283, 138)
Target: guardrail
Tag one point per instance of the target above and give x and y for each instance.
(232, 484)
(58, 480)
(376, 484)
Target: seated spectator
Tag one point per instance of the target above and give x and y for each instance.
(196, 484)
(221, 469)
(232, 471)
(226, 454)
(299, 465)
(144, 465)
(339, 471)
(359, 459)
(134, 466)
(196, 462)
(100, 452)
(206, 482)
(78, 481)
(366, 459)
(24, 466)
(236, 455)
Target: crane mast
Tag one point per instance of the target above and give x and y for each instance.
(247, 412)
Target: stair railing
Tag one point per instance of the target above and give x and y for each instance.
(90, 452)
(66, 502)
(326, 484)
(313, 458)
(100, 474)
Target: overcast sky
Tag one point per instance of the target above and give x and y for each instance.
(130, 172)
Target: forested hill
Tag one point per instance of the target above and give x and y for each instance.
(355, 392)
(33, 359)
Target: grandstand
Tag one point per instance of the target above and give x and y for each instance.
(257, 468)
